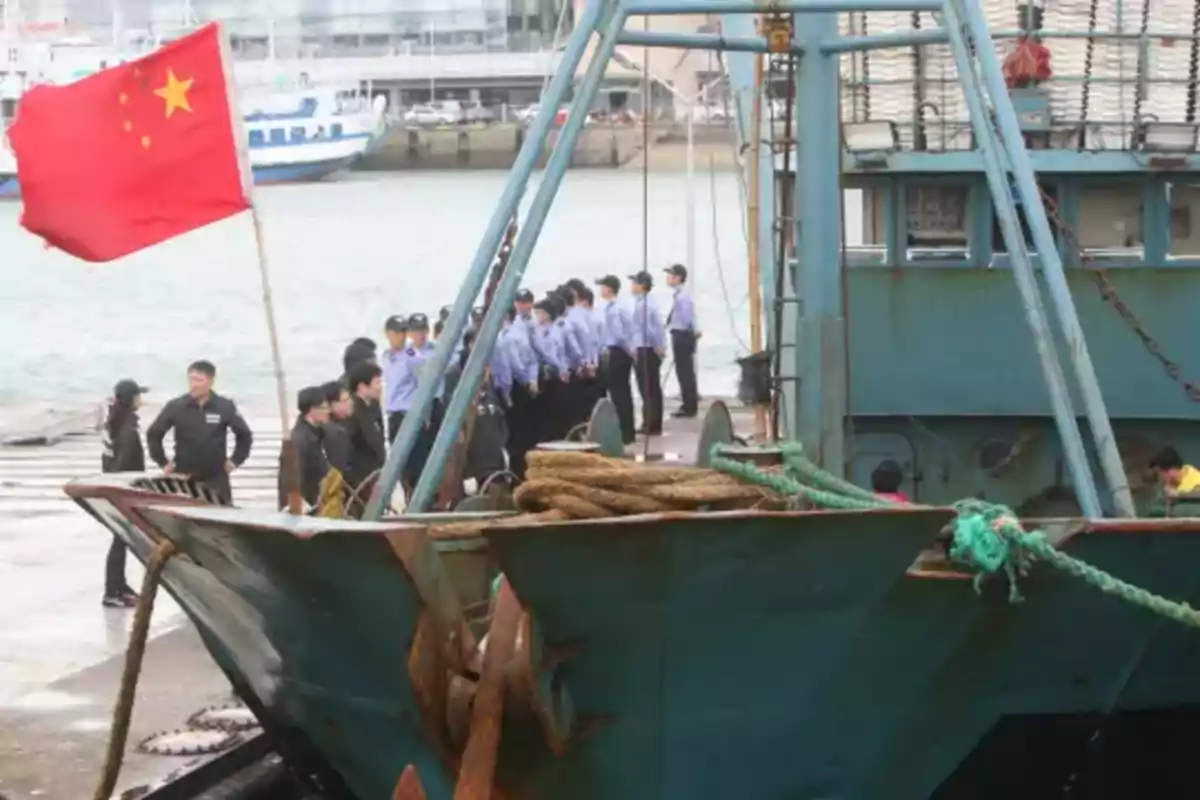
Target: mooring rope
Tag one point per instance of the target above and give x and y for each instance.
(987, 536)
(134, 655)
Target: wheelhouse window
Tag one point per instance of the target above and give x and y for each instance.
(256, 138)
(278, 136)
(1110, 220)
(1050, 191)
(936, 220)
(1184, 234)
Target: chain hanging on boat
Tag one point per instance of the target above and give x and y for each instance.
(1109, 294)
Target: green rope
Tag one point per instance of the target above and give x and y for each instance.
(987, 536)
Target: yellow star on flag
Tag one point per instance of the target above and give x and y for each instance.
(175, 93)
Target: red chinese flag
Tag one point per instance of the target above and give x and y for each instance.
(133, 155)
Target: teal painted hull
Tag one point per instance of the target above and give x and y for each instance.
(680, 656)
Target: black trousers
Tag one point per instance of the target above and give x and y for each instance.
(219, 487)
(553, 409)
(649, 383)
(114, 569)
(420, 452)
(616, 378)
(683, 350)
(522, 428)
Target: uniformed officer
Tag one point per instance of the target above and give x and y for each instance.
(521, 413)
(202, 420)
(618, 344)
(307, 437)
(649, 345)
(554, 373)
(402, 379)
(681, 325)
(524, 307)
(583, 373)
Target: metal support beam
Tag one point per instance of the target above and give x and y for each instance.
(698, 41)
(1011, 139)
(667, 8)
(1023, 273)
(820, 415)
(456, 323)
(506, 292)
(741, 82)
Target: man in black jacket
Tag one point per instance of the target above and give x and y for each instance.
(337, 434)
(202, 420)
(365, 425)
(307, 436)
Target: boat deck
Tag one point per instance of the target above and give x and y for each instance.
(61, 653)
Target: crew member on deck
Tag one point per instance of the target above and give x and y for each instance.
(337, 430)
(202, 420)
(307, 436)
(394, 364)
(361, 349)
(681, 323)
(554, 374)
(521, 415)
(649, 345)
(365, 426)
(886, 480)
(618, 345)
(1176, 476)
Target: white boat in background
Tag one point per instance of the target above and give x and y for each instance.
(296, 131)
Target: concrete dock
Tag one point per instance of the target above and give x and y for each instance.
(61, 652)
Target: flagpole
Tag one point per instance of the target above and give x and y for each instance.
(289, 466)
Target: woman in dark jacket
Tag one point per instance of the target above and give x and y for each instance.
(122, 453)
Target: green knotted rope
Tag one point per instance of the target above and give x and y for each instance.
(987, 536)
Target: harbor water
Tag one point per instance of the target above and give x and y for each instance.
(343, 256)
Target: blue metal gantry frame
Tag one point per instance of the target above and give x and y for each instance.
(821, 410)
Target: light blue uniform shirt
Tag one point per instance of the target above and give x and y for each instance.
(647, 324)
(524, 360)
(548, 344)
(402, 374)
(683, 312)
(572, 349)
(618, 325)
(502, 368)
(580, 320)
(596, 321)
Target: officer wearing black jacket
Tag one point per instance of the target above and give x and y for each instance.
(202, 420)
(365, 425)
(307, 436)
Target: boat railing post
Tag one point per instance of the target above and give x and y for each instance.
(1023, 272)
(481, 351)
(1011, 139)
(531, 149)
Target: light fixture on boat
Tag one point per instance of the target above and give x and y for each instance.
(875, 136)
(1167, 137)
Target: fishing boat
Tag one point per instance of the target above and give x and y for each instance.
(296, 131)
(823, 643)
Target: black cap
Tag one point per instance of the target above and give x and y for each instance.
(678, 270)
(611, 281)
(524, 296)
(128, 389)
(309, 398)
(643, 278)
(396, 323)
(418, 322)
(575, 284)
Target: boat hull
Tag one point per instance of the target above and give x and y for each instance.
(701, 656)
